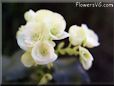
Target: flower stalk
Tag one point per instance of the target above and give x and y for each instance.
(69, 50)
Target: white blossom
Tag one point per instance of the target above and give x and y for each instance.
(30, 33)
(43, 53)
(82, 35)
(85, 58)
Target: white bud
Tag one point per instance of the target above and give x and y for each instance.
(29, 15)
(27, 59)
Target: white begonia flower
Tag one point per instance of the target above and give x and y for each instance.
(43, 53)
(30, 33)
(54, 21)
(83, 35)
(76, 35)
(91, 37)
(85, 58)
(27, 59)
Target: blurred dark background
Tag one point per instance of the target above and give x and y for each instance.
(99, 19)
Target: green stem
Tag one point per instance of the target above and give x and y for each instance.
(69, 45)
(68, 50)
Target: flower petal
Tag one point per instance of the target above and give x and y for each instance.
(76, 35)
(52, 43)
(21, 38)
(24, 36)
(91, 37)
(85, 58)
(29, 15)
(60, 36)
(27, 59)
(59, 22)
(45, 17)
(86, 64)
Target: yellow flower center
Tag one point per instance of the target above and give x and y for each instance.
(55, 30)
(40, 34)
(44, 49)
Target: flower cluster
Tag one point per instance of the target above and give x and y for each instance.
(42, 27)
(82, 36)
(37, 35)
